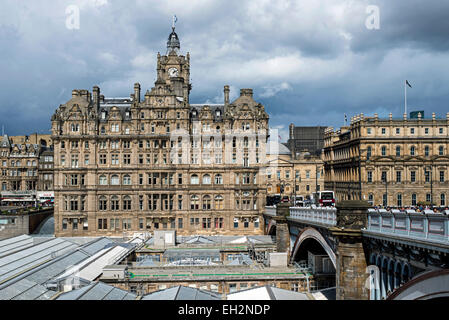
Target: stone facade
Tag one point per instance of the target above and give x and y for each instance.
(126, 164)
(394, 162)
(301, 175)
(19, 165)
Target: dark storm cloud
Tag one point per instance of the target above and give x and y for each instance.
(413, 23)
(309, 62)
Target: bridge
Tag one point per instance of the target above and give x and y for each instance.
(375, 254)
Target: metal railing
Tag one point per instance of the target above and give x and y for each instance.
(426, 225)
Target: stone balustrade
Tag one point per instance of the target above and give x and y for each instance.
(426, 225)
(270, 210)
(323, 215)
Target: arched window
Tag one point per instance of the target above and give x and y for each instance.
(115, 181)
(103, 203)
(126, 203)
(207, 203)
(219, 202)
(103, 180)
(412, 150)
(206, 179)
(194, 202)
(127, 180)
(218, 179)
(115, 203)
(194, 179)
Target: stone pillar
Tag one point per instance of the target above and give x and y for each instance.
(282, 231)
(351, 274)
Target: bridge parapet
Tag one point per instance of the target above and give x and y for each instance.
(426, 225)
(323, 215)
(270, 210)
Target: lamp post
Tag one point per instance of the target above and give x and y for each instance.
(360, 172)
(431, 183)
(384, 178)
(316, 177)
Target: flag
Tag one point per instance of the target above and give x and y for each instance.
(406, 81)
(346, 118)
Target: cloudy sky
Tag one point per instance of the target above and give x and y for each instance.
(308, 61)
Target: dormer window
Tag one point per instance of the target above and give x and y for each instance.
(103, 115)
(127, 114)
(75, 127)
(218, 113)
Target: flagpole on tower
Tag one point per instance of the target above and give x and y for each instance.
(405, 87)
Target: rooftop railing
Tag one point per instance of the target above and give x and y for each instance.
(425, 225)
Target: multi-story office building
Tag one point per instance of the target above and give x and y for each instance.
(306, 139)
(296, 176)
(126, 164)
(20, 175)
(45, 170)
(394, 162)
(19, 164)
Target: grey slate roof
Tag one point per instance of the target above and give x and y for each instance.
(25, 274)
(182, 293)
(97, 291)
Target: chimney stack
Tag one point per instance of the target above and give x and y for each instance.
(137, 92)
(96, 96)
(246, 92)
(226, 95)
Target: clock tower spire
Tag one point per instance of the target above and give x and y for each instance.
(173, 43)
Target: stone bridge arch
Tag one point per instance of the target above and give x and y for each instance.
(427, 285)
(271, 227)
(312, 233)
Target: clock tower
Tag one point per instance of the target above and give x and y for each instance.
(173, 71)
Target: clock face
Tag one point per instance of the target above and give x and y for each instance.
(173, 72)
